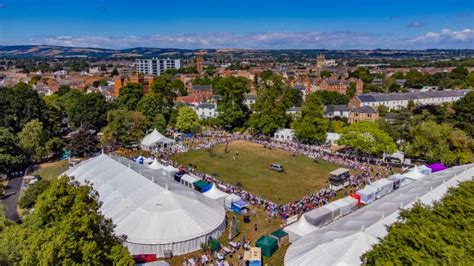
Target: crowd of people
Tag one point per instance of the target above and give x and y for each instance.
(364, 169)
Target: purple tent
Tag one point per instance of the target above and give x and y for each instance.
(436, 167)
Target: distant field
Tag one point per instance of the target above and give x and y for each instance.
(250, 168)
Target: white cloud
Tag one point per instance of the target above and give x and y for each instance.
(266, 40)
(446, 38)
(416, 24)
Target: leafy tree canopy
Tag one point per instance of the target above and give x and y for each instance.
(424, 235)
(310, 126)
(367, 137)
(66, 227)
(11, 153)
(187, 120)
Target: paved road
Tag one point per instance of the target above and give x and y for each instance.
(10, 202)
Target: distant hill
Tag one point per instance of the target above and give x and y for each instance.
(48, 51)
(30, 51)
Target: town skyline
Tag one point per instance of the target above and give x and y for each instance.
(248, 25)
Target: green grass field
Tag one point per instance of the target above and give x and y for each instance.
(250, 168)
(51, 170)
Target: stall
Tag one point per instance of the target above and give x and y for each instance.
(155, 165)
(346, 205)
(155, 141)
(398, 180)
(202, 186)
(299, 229)
(231, 199)
(383, 186)
(281, 236)
(239, 206)
(319, 217)
(424, 169)
(339, 178)
(413, 174)
(268, 245)
(216, 194)
(335, 210)
(169, 171)
(367, 194)
(436, 167)
(253, 257)
(188, 180)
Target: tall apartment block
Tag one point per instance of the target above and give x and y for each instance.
(156, 66)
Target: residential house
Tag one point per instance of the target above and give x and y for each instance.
(364, 113)
(401, 100)
(333, 111)
(250, 100)
(206, 110)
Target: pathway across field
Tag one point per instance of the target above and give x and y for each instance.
(250, 168)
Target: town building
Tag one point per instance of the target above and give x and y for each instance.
(156, 66)
(250, 100)
(202, 91)
(364, 113)
(401, 100)
(206, 110)
(340, 85)
(284, 135)
(334, 111)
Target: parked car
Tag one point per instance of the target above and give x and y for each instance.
(276, 167)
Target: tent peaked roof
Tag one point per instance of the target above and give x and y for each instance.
(215, 193)
(154, 137)
(155, 165)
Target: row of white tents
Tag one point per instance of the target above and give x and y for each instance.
(324, 215)
(343, 241)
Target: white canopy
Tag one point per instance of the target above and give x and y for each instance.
(299, 229)
(154, 212)
(335, 210)
(424, 169)
(319, 216)
(188, 180)
(384, 186)
(343, 241)
(155, 165)
(367, 194)
(398, 179)
(346, 205)
(414, 174)
(169, 171)
(155, 140)
(216, 194)
(231, 199)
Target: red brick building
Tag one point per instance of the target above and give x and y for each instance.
(340, 86)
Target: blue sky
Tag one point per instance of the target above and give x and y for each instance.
(276, 24)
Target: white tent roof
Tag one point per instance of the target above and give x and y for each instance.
(343, 241)
(301, 228)
(148, 207)
(189, 178)
(155, 165)
(414, 174)
(214, 193)
(155, 137)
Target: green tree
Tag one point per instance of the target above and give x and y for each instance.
(153, 107)
(367, 138)
(11, 153)
(83, 142)
(129, 96)
(310, 126)
(19, 105)
(464, 113)
(89, 110)
(439, 142)
(123, 127)
(424, 235)
(232, 112)
(32, 139)
(66, 227)
(31, 194)
(187, 120)
(271, 105)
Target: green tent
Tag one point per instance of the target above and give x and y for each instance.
(202, 186)
(268, 245)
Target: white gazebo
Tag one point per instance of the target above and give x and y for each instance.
(155, 141)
